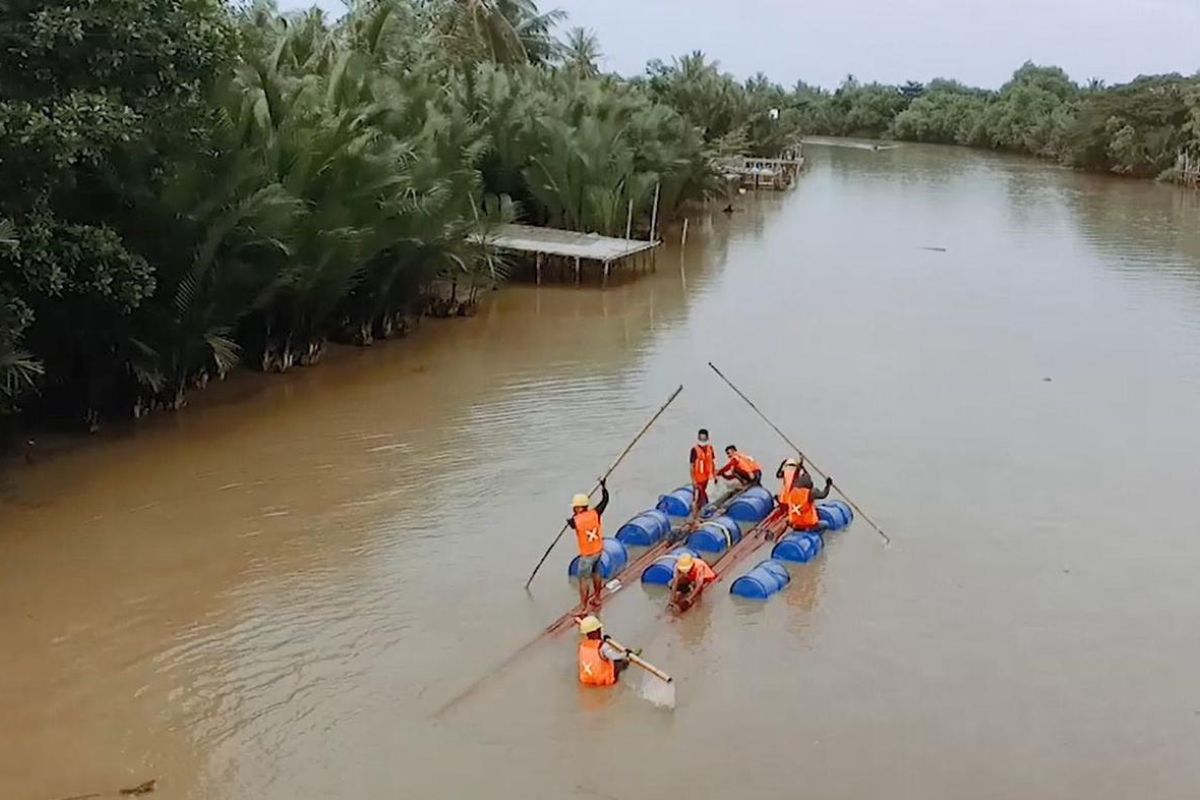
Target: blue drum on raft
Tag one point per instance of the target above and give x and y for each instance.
(799, 548)
(835, 514)
(645, 530)
(660, 572)
(753, 505)
(678, 503)
(761, 582)
(612, 560)
(716, 535)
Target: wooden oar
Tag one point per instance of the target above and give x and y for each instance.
(800, 453)
(610, 471)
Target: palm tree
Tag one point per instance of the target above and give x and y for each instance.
(581, 54)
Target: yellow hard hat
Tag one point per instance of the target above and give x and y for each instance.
(589, 624)
(580, 500)
(791, 462)
(685, 563)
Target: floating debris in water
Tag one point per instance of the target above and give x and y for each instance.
(935, 249)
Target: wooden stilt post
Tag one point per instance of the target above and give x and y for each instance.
(604, 282)
(683, 236)
(654, 213)
(539, 269)
(629, 221)
(577, 275)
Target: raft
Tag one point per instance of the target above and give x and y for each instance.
(798, 547)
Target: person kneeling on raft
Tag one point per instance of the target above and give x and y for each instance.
(600, 663)
(590, 535)
(740, 468)
(798, 495)
(691, 576)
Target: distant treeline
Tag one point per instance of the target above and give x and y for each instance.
(1141, 128)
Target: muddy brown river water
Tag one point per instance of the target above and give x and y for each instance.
(270, 595)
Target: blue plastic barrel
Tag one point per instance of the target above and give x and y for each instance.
(832, 517)
(678, 503)
(612, 560)
(799, 548)
(761, 582)
(753, 505)
(644, 530)
(716, 535)
(660, 572)
(847, 512)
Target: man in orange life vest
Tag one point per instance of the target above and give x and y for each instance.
(600, 663)
(704, 469)
(590, 534)
(741, 468)
(691, 576)
(798, 495)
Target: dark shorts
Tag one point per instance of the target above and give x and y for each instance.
(589, 566)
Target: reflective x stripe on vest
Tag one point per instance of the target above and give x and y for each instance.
(589, 533)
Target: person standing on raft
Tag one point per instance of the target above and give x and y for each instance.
(798, 495)
(600, 663)
(740, 468)
(703, 462)
(589, 532)
(691, 576)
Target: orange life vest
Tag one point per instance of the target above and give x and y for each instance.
(704, 464)
(589, 532)
(700, 573)
(742, 463)
(593, 669)
(789, 478)
(802, 514)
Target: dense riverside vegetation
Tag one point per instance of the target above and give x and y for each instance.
(186, 185)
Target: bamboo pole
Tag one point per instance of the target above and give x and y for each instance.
(654, 213)
(629, 221)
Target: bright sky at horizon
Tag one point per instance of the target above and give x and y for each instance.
(979, 43)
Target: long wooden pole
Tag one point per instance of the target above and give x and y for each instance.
(800, 453)
(641, 662)
(654, 213)
(610, 471)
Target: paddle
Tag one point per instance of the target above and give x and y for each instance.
(615, 464)
(795, 447)
(661, 693)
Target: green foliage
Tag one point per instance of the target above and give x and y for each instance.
(186, 184)
(193, 185)
(1140, 128)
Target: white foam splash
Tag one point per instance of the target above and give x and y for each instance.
(659, 692)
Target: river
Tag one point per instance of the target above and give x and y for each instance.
(271, 594)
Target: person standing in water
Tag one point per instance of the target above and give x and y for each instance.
(704, 470)
(600, 663)
(589, 533)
